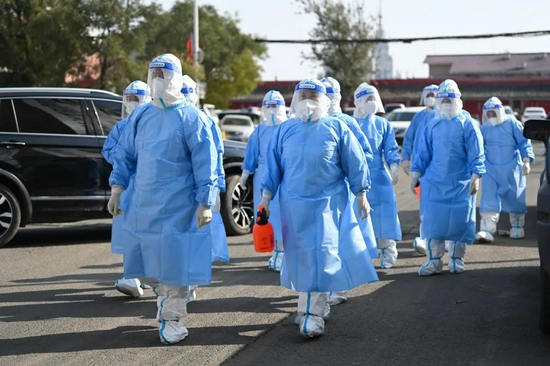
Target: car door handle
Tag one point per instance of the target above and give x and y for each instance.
(12, 144)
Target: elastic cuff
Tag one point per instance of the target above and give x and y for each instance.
(475, 175)
(526, 160)
(267, 194)
(415, 174)
(246, 173)
(361, 193)
(394, 166)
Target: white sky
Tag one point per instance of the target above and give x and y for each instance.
(279, 19)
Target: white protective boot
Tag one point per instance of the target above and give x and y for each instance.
(388, 252)
(192, 293)
(300, 314)
(517, 221)
(337, 297)
(276, 260)
(131, 287)
(314, 307)
(419, 245)
(172, 307)
(434, 265)
(457, 251)
(488, 226)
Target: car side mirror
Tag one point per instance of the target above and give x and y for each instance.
(537, 129)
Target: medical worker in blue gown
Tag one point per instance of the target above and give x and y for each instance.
(449, 160)
(216, 228)
(418, 122)
(308, 160)
(381, 136)
(273, 113)
(169, 149)
(333, 92)
(508, 157)
(135, 94)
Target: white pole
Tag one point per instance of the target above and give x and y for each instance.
(196, 33)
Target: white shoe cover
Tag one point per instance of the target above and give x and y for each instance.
(485, 237)
(130, 287)
(517, 221)
(192, 293)
(517, 233)
(276, 261)
(457, 251)
(337, 297)
(434, 250)
(420, 245)
(172, 331)
(312, 326)
(312, 303)
(388, 253)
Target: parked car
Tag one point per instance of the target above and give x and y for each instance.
(253, 114)
(540, 130)
(51, 167)
(510, 112)
(237, 127)
(390, 107)
(533, 113)
(400, 119)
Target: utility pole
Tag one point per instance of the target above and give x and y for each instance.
(196, 33)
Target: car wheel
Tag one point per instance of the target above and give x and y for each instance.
(545, 301)
(10, 215)
(237, 207)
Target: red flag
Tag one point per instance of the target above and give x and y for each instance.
(189, 46)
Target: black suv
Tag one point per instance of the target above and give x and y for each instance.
(540, 130)
(51, 167)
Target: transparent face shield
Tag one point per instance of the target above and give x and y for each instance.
(448, 105)
(133, 98)
(310, 102)
(190, 94)
(428, 96)
(367, 102)
(273, 111)
(165, 81)
(493, 114)
(333, 93)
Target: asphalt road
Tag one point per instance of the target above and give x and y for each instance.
(58, 306)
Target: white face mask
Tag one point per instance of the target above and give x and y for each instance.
(157, 88)
(370, 107)
(492, 120)
(429, 102)
(446, 109)
(306, 110)
(131, 106)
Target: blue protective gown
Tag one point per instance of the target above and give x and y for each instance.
(418, 122)
(381, 196)
(117, 234)
(308, 163)
(447, 152)
(366, 226)
(174, 159)
(504, 185)
(255, 160)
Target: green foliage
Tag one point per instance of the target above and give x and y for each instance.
(43, 40)
(349, 63)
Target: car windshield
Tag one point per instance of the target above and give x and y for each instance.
(401, 116)
(236, 122)
(508, 111)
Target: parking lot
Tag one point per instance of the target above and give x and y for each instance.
(58, 306)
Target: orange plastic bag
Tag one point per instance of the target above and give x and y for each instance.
(262, 234)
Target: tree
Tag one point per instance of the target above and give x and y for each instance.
(36, 47)
(230, 63)
(114, 28)
(349, 63)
